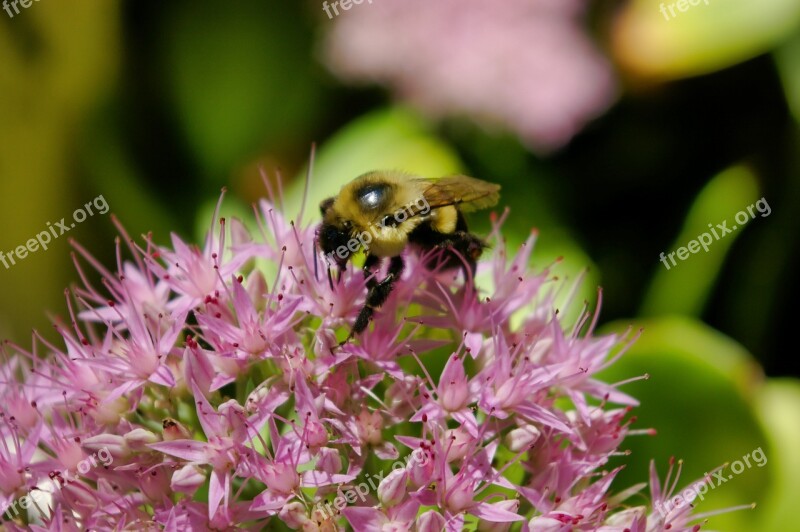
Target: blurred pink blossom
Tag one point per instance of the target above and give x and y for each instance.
(526, 64)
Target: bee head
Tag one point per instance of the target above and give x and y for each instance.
(333, 233)
(333, 237)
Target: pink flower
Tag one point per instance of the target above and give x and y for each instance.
(526, 64)
(281, 477)
(453, 386)
(393, 519)
(452, 397)
(212, 391)
(392, 490)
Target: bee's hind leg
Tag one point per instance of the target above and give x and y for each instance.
(462, 250)
(471, 249)
(378, 292)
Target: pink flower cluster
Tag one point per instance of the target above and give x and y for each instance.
(211, 377)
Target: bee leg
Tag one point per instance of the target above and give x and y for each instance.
(369, 265)
(366, 313)
(378, 293)
(469, 248)
(340, 272)
(330, 279)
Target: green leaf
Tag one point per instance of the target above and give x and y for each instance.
(686, 285)
(778, 404)
(702, 38)
(239, 79)
(787, 59)
(698, 398)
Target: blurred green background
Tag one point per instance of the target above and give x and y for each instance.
(616, 130)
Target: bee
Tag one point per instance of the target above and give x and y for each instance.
(384, 212)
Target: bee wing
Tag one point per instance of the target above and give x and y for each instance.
(468, 193)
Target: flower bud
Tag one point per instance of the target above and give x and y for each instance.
(77, 494)
(420, 468)
(459, 443)
(115, 445)
(280, 477)
(369, 426)
(461, 496)
(522, 438)
(110, 412)
(253, 342)
(430, 521)
(316, 435)
(329, 461)
(392, 489)
(187, 479)
(138, 439)
(155, 484)
(453, 386)
(508, 394)
(489, 526)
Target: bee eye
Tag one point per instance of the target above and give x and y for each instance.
(372, 197)
(347, 225)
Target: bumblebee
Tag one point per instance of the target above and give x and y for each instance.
(384, 212)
